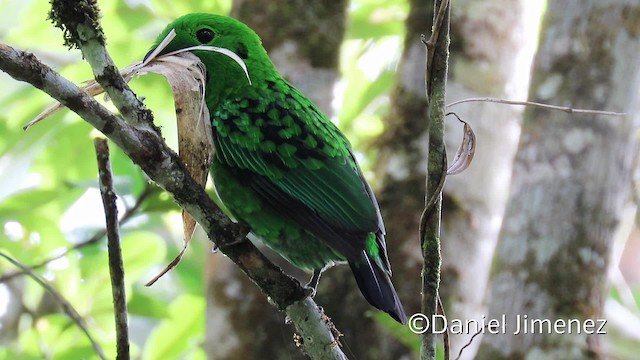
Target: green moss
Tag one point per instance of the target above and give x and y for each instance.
(69, 15)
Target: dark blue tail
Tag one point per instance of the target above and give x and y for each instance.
(376, 286)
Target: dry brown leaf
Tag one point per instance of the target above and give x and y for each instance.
(466, 151)
(195, 147)
(91, 87)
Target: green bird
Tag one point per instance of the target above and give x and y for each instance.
(281, 166)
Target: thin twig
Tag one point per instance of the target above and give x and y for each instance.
(129, 213)
(431, 44)
(480, 331)
(66, 306)
(445, 336)
(541, 105)
(116, 267)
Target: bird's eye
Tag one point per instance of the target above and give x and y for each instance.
(205, 35)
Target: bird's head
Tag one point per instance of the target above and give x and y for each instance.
(221, 32)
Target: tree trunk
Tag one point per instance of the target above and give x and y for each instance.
(486, 59)
(303, 39)
(570, 180)
(489, 58)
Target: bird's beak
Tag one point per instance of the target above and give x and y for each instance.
(148, 54)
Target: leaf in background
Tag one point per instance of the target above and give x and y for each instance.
(361, 97)
(376, 18)
(158, 201)
(181, 332)
(140, 251)
(142, 304)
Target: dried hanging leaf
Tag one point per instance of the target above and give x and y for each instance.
(91, 87)
(195, 147)
(186, 76)
(466, 151)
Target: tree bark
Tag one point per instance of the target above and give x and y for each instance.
(570, 180)
(486, 58)
(303, 40)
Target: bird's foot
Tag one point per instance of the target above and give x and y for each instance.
(313, 283)
(234, 242)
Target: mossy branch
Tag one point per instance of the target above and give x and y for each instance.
(435, 85)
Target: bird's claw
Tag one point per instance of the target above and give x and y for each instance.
(313, 283)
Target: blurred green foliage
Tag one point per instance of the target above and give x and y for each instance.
(49, 198)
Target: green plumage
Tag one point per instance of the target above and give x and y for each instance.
(281, 166)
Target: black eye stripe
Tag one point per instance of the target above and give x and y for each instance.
(205, 35)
